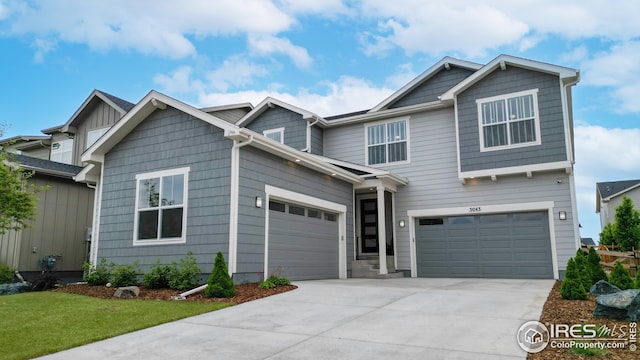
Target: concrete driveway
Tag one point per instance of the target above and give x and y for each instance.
(348, 319)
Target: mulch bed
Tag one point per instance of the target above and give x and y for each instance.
(557, 310)
(244, 293)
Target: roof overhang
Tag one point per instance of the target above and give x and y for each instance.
(269, 103)
(567, 75)
(150, 103)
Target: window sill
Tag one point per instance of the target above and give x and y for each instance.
(159, 242)
(508, 147)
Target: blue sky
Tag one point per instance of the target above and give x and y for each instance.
(329, 57)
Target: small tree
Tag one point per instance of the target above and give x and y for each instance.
(608, 235)
(627, 225)
(595, 269)
(620, 277)
(637, 282)
(583, 269)
(572, 288)
(220, 283)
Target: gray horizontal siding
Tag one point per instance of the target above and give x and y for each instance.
(258, 168)
(295, 128)
(230, 115)
(345, 143)
(317, 142)
(513, 79)
(168, 139)
(433, 87)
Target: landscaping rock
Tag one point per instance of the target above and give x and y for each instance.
(603, 287)
(623, 305)
(14, 288)
(127, 292)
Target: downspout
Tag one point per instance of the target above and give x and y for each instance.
(572, 184)
(233, 202)
(309, 125)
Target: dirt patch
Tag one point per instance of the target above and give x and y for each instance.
(244, 293)
(557, 310)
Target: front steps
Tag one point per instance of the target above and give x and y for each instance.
(370, 269)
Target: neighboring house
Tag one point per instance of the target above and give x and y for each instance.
(587, 242)
(467, 171)
(62, 226)
(609, 196)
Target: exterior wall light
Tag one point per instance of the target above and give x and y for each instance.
(401, 223)
(562, 215)
(258, 202)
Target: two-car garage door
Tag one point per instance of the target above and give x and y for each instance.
(510, 245)
(303, 242)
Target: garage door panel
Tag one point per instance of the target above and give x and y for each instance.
(512, 245)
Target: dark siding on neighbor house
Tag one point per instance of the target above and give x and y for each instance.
(295, 128)
(433, 87)
(258, 168)
(101, 116)
(500, 82)
(168, 139)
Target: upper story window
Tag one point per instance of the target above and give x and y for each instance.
(62, 151)
(275, 134)
(94, 135)
(161, 207)
(387, 142)
(509, 121)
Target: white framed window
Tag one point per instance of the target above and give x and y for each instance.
(387, 142)
(275, 134)
(161, 207)
(62, 151)
(94, 135)
(509, 121)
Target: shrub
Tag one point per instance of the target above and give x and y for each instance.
(608, 234)
(6, 274)
(220, 284)
(637, 282)
(125, 275)
(627, 231)
(158, 277)
(620, 277)
(99, 274)
(279, 280)
(583, 270)
(184, 276)
(595, 269)
(572, 288)
(267, 284)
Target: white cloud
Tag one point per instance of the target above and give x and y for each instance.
(42, 48)
(147, 26)
(327, 8)
(602, 155)
(266, 45)
(234, 72)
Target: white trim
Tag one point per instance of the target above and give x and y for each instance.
(568, 139)
(279, 130)
(507, 122)
(574, 211)
(522, 169)
(185, 195)
(480, 209)
(269, 102)
(273, 192)
(456, 122)
(386, 143)
(394, 227)
(233, 209)
(95, 227)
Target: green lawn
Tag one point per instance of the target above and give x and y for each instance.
(39, 323)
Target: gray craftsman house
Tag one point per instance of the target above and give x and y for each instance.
(467, 171)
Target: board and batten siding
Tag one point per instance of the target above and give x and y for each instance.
(168, 139)
(60, 228)
(101, 116)
(295, 128)
(433, 87)
(434, 184)
(257, 169)
(502, 82)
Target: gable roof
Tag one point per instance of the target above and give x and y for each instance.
(568, 75)
(269, 102)
(120, 105)
(24, 142)
(445, 63)
(609, 190)
(47, 167)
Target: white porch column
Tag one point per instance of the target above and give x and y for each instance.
(382, 237)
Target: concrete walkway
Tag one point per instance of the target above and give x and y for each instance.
(348, 319)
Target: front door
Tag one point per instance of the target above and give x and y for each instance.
(369, 225)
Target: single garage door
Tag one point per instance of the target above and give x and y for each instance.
(513, 245)
(303, 242)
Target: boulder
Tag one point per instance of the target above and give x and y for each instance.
(622, 305)
(127, 292)
(14, 288)
(603, 287)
